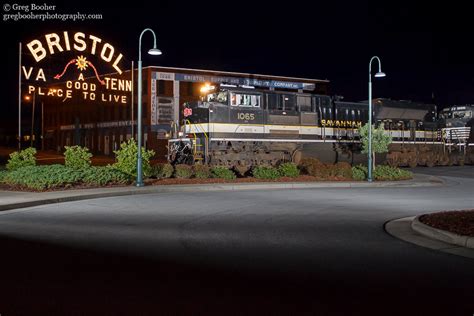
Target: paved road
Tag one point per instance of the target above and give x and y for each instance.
(297, 252)
(453, 171)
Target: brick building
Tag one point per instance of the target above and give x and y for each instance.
(103, 123)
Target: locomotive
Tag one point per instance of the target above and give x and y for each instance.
(241, 127)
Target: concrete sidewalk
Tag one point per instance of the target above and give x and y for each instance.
(15, 199)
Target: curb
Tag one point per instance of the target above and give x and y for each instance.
(402, 230)
(76, 195)
(441, 235)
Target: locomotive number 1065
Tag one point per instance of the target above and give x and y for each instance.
(246, 116)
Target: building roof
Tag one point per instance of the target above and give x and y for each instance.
(239, 74)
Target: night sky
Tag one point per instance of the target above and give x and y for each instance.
(424, 48)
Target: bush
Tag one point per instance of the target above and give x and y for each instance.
(311, 166)
(183, 171)
(263, 172)
(56, 176)
(288, 169)
(23, 158)
(43, 177)
(202, 171)
(104, 175)
(222, 173)
(315, 168)
(359, 173)
(77, 157)
(391, 173)
(162, 170)
(127, 158)
(343, 169)
(381, 173)
(3, 174)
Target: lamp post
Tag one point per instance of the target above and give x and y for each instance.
(19, 96)
(379, 74)
(32, 117)
(42, 125)
(153, 51)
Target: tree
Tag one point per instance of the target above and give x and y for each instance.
(380, 140)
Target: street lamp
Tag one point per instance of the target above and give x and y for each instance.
(27, 98)
(379, 74)
(153, 51)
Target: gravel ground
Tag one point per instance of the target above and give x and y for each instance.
(458, 222)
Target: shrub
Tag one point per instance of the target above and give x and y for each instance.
(127, 158)
(288, 169)
(56, 176)
(3, 174)
(183, 171)
(104, 175)
(202, 171)
(23, 158)
(43, 177)
(310, 166)
(264, 172)
(162, 170)
(359, 172)
(343, 169)
(315, 168)
(77, 157)
(222, 173)
(391, 173)
(381, 173)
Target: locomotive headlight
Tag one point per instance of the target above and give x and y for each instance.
(207, 88)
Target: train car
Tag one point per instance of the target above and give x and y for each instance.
(421, 137)
(240, 127)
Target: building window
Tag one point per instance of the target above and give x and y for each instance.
(190, 88)
(161, 87)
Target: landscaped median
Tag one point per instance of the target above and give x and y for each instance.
(22, 173)
(454, 227)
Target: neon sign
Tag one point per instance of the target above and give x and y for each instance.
(80, 42)
(89, 49)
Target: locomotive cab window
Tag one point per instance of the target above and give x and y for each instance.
(220, 97)
(245, 100)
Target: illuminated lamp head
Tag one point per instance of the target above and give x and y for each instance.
(380, 74)
(154, 51)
